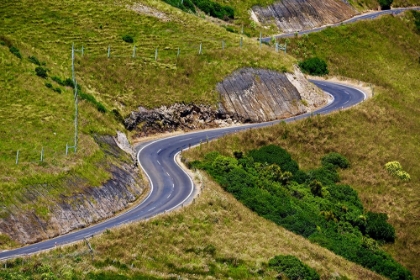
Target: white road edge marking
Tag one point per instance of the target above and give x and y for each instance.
(191, 183)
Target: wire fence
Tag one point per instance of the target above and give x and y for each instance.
(48, 154)
(147, 52)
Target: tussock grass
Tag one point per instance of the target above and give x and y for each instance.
(385, 53)
(214, 238)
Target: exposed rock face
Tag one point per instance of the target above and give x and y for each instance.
(248, 95)
(259, 95)
(296, 15)
(78, 210)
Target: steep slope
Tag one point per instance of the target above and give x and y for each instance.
(296, 15)
(260, 95)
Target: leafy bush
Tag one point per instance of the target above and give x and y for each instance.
(416, 16)
(335, 159)
(385, 4)
(274, 154)
(68, 83)
(48, 85)
(209, 7)
(58, 90)
(128, 39)
(395, 169)
(314, 66)
(15, 51)
(329, 214)
(57, 80)
(378, 228)
(90, 98)
(34, 60)
(215, 9)
(292, 268)
(41, 72)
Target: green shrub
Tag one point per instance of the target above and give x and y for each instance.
(48, 85)
(90, 98)
(378, 228)
(335, 159)
(314, 66)
(15, 51)
(34, 60)
(274, 154)
(41, 72)
(128, 39)
(57, 80)
(69, 83)
(385, 4)
(322, 211)
(58, 90)
(185, 5)
(292, 268)
(416, 16)
(395, 169)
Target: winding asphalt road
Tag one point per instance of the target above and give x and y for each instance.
(171, 187)
(367, 16)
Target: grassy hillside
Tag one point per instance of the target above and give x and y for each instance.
(380, 130)
(37, 112)
(214, 238)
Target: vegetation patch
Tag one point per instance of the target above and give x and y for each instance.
(314, 206)
(292, 268)
(314, 66)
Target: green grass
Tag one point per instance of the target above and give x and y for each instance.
(384, 53)
(34, 115)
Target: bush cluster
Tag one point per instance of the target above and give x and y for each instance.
(34, 60)
(15, 51)
(312, 204)
(65, 83)
(314, 66)
(385, 4)
(209, 7)
(90, 98)
(128, 39)
(416, 16)
(292, 268)
(41, 72)
(395, 169)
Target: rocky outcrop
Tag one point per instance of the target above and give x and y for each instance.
(80, 209)
(296, 15)
(259, 95)
(248, 95)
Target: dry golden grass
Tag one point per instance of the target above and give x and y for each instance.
(216, 237)
(380, 130)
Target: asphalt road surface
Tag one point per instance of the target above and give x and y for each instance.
(171, 187)
(367, 16)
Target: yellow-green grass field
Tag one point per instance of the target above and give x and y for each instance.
(37, 114)
(384, 128)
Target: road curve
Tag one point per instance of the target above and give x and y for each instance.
(171, 187)
(366, 16)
